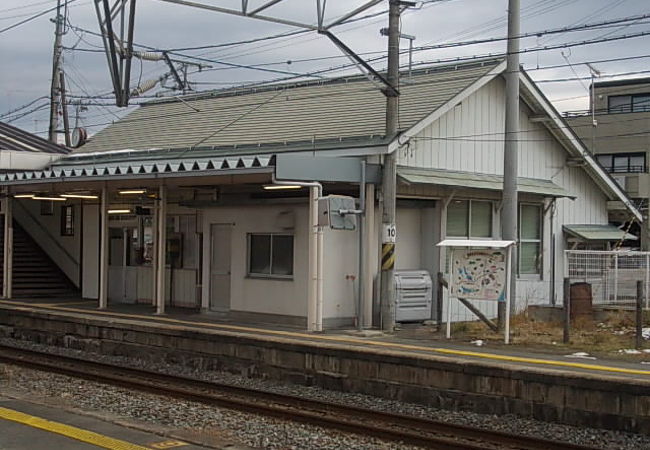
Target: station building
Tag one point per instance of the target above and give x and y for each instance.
(189, 202)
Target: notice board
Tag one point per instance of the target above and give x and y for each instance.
(479, 274)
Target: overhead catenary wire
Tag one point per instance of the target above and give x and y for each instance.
(366, 88)
(344, 68)
(420, 49)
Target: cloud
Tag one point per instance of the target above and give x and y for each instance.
(27, 50)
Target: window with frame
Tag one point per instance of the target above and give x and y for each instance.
(270, 255)
(628, 103)
(530, 239)
(623, 162)
(469, 219)
(67, 220)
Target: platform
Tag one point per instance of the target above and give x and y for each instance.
(29, 426)
(611, 394)
(430, 344)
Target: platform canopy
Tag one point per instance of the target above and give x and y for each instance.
(474, 243)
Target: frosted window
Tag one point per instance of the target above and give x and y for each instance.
(481, 220)
(457, 218)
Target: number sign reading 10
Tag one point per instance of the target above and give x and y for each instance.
(389, 234)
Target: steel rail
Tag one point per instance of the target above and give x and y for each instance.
(406, 429)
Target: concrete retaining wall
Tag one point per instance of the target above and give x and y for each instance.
(581, 399)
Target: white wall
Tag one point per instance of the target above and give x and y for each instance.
(408, 246)
(280, 296)
(90, 254)
(46, 231)
(470, 138)
(271, 296)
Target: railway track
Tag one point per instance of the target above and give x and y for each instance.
(406, 429)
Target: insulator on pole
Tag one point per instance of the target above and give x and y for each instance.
(148, 56)
(144, 87)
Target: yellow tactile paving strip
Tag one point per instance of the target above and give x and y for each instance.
(347, 340)
(89, 437)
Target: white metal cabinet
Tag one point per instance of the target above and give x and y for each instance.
(413, 295)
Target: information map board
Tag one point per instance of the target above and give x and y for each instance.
(479, 274)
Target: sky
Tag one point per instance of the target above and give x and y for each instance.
(26, 50)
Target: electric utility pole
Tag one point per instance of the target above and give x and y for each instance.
(389, 181)
(55, 89)
(510, 152)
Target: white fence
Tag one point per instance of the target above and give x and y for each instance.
(612, 275)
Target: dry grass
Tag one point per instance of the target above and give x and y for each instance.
(616, 332)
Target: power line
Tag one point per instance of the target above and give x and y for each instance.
(317, 73)
(35, 16)
(26, 113)
(26, 105)
(30, 5)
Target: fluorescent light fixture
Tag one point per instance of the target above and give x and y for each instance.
(131, 191)
(52, 199)
(119, 211)
(273, 187)
(24, 196)
(89, 196)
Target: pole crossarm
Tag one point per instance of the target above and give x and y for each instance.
(351, 14)
(244, 13)
(117, 23)
(389, 89)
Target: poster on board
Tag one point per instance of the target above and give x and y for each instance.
(479, 274)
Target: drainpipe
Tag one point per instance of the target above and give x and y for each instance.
(362, 248)
(7, 280)
(103, 250)
(315, 296)
(161, 249)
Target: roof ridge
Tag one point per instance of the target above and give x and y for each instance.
(252, 89)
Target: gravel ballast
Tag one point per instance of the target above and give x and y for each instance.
(264, 432)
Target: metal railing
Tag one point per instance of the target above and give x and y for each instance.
(613, 275)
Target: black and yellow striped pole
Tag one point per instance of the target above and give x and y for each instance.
(388, 256)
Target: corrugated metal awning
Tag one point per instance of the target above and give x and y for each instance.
(144, 169)
(598, 233)
(472, 180)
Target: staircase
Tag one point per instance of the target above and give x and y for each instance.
(34, 273)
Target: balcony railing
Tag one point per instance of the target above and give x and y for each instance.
(627, 169)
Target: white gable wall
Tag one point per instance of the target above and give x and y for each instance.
(470, 138)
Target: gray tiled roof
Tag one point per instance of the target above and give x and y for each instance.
(12, 138)
(336, 109)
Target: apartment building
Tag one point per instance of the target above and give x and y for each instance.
(616, 129)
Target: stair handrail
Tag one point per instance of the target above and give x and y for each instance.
(47, 233)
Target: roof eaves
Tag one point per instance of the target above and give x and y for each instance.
(215, 151)
(573, 143)
(13, 138)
